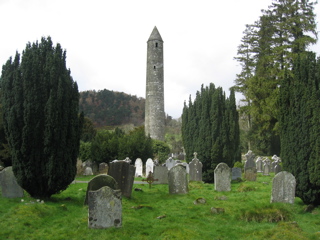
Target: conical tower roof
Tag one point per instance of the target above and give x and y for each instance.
(155, 35)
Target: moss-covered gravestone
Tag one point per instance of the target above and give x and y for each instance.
(9, 186)
(98, 182)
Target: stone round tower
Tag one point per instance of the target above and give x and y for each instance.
(154, 109)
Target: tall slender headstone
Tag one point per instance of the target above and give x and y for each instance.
(154, 108)
(123, 173)
(139, 166)
(195, 169)
(149, 166)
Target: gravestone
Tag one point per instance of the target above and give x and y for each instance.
(195, 169)
(105, 208)
(250, 170)
(259, 164)
(277, 169)
(9, 186)
(177, 179)
(95, 168)
(222, 178)
(249, 160)
(170, 163)
(88, 171)
(123, 173)
(161, 173)
(186, 165)
(103, 168)
(266, 166)
(250, 174)
(283, 188)
(236, 173)
(149, 166)
(98, 182)
(139, 167)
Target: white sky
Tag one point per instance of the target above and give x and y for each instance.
(106, 40)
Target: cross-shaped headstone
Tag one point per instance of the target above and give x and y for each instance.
(150, 179)
(195, 155)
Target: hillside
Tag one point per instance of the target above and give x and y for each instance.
(109, 108)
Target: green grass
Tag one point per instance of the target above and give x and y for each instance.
(248, 215)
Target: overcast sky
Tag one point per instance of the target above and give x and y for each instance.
(106, 40)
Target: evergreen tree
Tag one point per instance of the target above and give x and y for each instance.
(210, 127)
(299, 124)
(40, 104)
(268, 47)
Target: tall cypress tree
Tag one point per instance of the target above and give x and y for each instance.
(40, 101)
(210, 127)
(299, 126)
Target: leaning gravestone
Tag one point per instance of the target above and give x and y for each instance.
(105, 208)
(170, 163)
(9, 186)
(98, 182)
(222, 178)
(236, 173)
(177, 179)
(195, 169)
(161, 173)
(139, 166)
(123, 173)
(283, 188)
(149, 166)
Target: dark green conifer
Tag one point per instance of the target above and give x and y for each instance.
(40, 104)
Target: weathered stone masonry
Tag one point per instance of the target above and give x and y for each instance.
(154, 109)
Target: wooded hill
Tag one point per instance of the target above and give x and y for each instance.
(110, 108)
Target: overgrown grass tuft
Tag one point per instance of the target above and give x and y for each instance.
(266, 213)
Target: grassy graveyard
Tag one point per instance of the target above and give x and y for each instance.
(154, 214)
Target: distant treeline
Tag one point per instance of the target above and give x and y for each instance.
(109, 108)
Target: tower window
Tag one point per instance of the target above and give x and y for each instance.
(154, 67)
(156, 44)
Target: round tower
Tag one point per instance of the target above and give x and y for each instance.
(154, 108)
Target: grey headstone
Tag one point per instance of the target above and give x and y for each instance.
(161, 173)
(177, 179)
(170, 163)
(259, 164)
(9, 186)
(283, 188)
(266, 166)
(195, 170)
(139, 166)
(105, 208)
(103, 168)
(98, 182)
(222, 178)
(88, 171)
(236, 173)
(249, 160)
(123, 173)
(149, 166)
